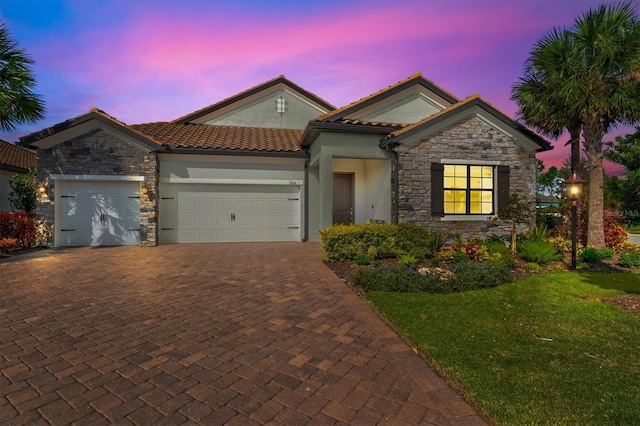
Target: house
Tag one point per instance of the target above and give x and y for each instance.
(13, 160)
(278, 163)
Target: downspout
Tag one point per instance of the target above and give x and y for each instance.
(305, 186)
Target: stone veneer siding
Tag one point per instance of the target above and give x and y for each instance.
(471, 139)
(100, 153)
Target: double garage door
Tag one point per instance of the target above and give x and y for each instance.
(97, 213)
(199, 213)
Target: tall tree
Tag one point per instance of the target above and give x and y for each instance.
(591, 79)
(626, 151)
(18, 104)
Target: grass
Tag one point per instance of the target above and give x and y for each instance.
(634, 229)
(543, 350)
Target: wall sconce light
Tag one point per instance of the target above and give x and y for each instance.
(144, 190)
(42, 190)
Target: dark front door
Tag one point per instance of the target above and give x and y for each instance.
(343, 198)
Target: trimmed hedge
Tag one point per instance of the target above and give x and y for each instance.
(346, 242)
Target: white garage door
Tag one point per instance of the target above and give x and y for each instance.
(97, 213)
(199, 213)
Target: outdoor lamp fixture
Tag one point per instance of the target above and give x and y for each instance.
(144, 190)
(42, 190)
(574, 187)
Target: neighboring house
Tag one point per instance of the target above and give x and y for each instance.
(13, 160)
(278, 163)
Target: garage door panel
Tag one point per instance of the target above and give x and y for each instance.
(97, 213)
(226, 213)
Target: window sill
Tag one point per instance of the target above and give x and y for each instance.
(465, 217)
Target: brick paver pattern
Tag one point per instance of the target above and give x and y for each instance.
(246, 334)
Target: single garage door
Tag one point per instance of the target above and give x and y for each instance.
(203, 213)
(97, 213)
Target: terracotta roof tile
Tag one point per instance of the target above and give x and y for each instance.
(16, 157)
(203, 136)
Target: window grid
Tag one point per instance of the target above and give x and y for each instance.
(468, 189)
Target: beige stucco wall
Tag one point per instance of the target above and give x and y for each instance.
(345, 152)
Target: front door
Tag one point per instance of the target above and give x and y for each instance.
(343, 198)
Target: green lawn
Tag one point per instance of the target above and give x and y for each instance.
(543, 350)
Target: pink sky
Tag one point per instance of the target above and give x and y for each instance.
(156, 60)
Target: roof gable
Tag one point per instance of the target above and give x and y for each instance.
(15, 158)
(405, 102)
(277, 103)
(83, 124)
(471, 106)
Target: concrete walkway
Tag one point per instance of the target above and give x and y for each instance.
(213, 334)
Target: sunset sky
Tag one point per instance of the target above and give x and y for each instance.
(156, 60)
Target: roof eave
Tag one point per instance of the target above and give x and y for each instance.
(314, 128)
(542, 143)
(236, 152)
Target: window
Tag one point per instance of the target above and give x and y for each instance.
(468, 189)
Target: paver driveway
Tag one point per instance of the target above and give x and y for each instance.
(213, 333)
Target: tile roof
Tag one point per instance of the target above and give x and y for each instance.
(93, 113)
(204, 136)
(340, 112)
(16, 157)
(280, 79)
(474, 99)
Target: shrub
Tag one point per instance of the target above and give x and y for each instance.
(438, 240)
(606, 253)
(539, 233)
(532, 267)
(630, 259)
(494, 247)
(473, 248)
(21, 226)
(407, 259)
(411, 236)
(538, 251)
(363, 258)
(400, 279)
(460, 256)
(8, 243)
(614, 234)
(474, 275)
(344, 242)
(590, 255)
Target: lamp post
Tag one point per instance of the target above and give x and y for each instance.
(574, 187)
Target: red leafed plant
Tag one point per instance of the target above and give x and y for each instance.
(20, 226)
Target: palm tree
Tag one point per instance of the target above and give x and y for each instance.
(586, 77)
(538, 93)
(18, 104)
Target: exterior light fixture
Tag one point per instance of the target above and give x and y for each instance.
(42, 190)
(144, 190)
(574, 187)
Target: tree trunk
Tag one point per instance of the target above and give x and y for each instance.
(575, 148)
(595, 223)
